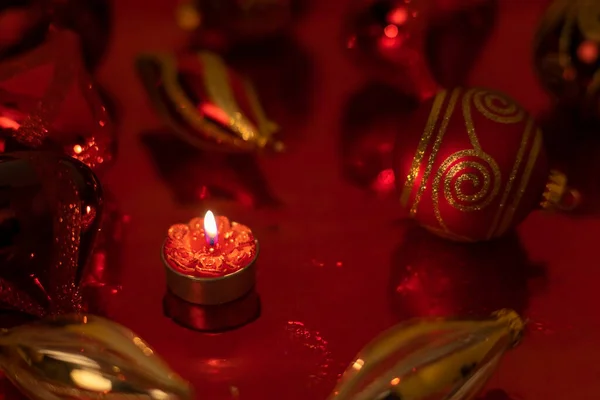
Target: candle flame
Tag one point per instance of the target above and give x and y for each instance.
(210, 228)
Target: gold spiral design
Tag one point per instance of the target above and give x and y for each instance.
(498, 107)
(471, 166)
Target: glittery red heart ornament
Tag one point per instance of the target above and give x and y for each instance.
(50, 209)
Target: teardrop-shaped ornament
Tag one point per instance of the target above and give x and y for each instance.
(206, 103)
(431, 359)
(86, 357)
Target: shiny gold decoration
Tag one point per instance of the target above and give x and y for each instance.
(431, 359)
(557, 192)
(86, 357)
(217, 84)
(233, 131)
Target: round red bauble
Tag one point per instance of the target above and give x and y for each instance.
(470, 164)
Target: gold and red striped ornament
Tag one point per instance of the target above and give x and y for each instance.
(470, 164)
(207, 103)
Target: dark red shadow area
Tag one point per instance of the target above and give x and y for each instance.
(194, 175)
(372, 119)
(433, 276)
(455, 39)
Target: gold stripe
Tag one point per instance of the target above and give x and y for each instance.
(265, 126)
(219, 91)
(420, 153)
(533, 156)
(466, 105)
(184, 106)
(436, 147)
(512, 177)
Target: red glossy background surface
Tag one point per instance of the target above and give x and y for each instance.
(337, 265)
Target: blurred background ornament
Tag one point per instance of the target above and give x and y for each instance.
(470, 165)
(48, 101)
(388, 36)
(455, 36)
(91, 20)
(84, 356)
(219, 23)
(50, 216)
(567, 54)
(195, 176)
(433, 358)
(284, 72)
(25, 24)
(206, 103)
(369, 129)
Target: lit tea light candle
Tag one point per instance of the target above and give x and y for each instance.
(210, 260)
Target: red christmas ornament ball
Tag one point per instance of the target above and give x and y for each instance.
(470, 164)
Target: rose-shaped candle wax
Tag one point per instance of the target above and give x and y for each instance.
(210, 260)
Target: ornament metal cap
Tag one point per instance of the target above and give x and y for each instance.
(513, 321)
(558, 196)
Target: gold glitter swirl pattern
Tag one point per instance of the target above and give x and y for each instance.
(495, 106)
(468, 168)
(435, 149)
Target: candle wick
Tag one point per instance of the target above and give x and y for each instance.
(211, 240)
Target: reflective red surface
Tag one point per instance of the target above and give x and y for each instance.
(336, 267)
